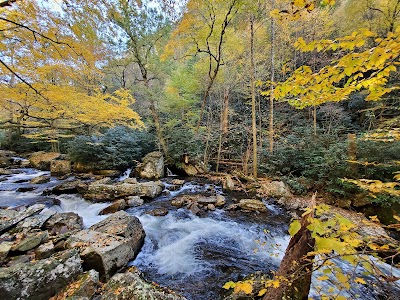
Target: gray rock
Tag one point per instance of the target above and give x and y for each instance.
(131, 286)
(124, 225)
(192, 170)
(275, 189)
(30, 241)
(32, 210)
(34, 222)
(7, 214)
(220, 201)
(211, 207)
(6, 159)
(178, 182)
(40, 179)
(253, 205)
(114, 207)
(228, 183)
(130, 181)
(63, 222)
(178, 202)
(108, 192)
(20, 259)
(5, 247)
(40, 279)
(45, 250)
(108, 173)
(5, 171)
(105, 180)
(102, 252)
(70, 187)
(152, 166)
(158, 212)
(60, 167)
(83, 288)
(134, 201)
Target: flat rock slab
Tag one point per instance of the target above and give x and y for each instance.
(32, 210)
(41, 279)
(30, 241)
(108, 192)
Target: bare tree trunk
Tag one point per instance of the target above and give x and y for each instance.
(315, 120)
(156, 120)
(253, 97)
(271, 99)
(224, 125)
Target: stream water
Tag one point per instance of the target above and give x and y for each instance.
(192, 255)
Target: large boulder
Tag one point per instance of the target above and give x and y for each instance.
(109, 244)
(41, 279)
(124, 225)
(152, 166)
(60, 167)
(41, 160)
(131, 286)
(274, 189)
(108, 192)
(102, 252)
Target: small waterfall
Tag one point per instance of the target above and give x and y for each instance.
(87, 210)
(125, 175)
(169, 173)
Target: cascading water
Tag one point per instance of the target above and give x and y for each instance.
(196, 256)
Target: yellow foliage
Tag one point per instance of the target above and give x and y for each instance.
(56, 80)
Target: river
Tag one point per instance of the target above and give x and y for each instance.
(193, 255)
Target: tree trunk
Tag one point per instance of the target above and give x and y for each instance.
(315, 120)
(253, 97)
(157, 125)
(224, 125)
(296, 267)
(271, 99)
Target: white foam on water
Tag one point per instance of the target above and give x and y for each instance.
(173, 246)
(125, 175)
(87, 210)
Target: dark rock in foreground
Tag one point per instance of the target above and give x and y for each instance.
(41, 279)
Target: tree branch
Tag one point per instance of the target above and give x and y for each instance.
(7, 3)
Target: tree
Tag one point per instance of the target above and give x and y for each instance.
(203, 30)
(50, 80)
(144, 28)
